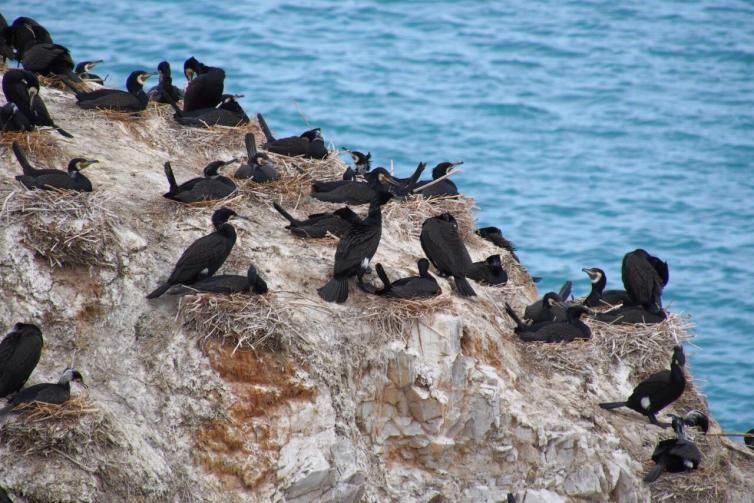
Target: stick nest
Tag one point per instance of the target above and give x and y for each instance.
(391, 317)
(66, 227)
(74, 428)
(406, 218)
(40, 146)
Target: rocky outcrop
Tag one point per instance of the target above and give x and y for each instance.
(287, 398)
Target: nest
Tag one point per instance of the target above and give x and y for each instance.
(66, 227)
(206, 142)
(40, 146)
(392, 317)
(407, 217)
(638, 345)
(75, 428)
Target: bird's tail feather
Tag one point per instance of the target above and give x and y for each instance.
(383, 277)
(565, 290)
(654, 473)
(251, 145)
(26, 166)
(70, 85)
(612, 405)
(176, 108)
(265, 128)
(285, 214)
(62, 131)
(513, 315)
(170, 176)
(159, 291)
(336, 290)
(464, 287)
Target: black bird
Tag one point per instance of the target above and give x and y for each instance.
(83, 70)
(6, 50)
(444, 187)
(355, 250)
(226, 284)
(675, 454)
(49, 179)
(551, 309)
(11, 119)
(21, 88)
(165, 91)
(309, 144)
(25, 32)
(338, 223)
(205, 86)
(133, 100)
(495, 236)
(599, 297)
(351, 191)
(489, 271)
(204, 256)
(657, 391)
(644, 277)
(4, 496)
(361, 163)
(349, 175)
(749, 440)
(446, 250)
(51, 60)
(631, 315)
(19, 354)
(259, 167)
(207, 188)
(403, 186)
(226, 113)
(424, 285)
(553, 331)
(697, 418)
(53, 393)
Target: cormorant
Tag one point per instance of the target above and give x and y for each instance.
(749, 440)
(355, 250)
(205, 86)
(207, 188)
(259, 167)
(697, 418)
(353, 192)
(21, 88)
(51, 60)
(445, 187)
(6, 50)
(19, 354)
(338, 223)
(495, 236)
(349, 175)
(133, 100)
(644, 277)
(553, 331)
(4, 496)
(489, 271)
(11, 119)
(165, 91)
(309, 144)
(83, 68)
(226, 284)
(446, 250)
(657, 391)
(553, 308)
(205, 255)
(361, 163)
(47, 179)
(675, 454)
(53, 393)
(631, 315)
(226, 113)
(598, 297)
(25, 32)
(404, 186)
(424, 285)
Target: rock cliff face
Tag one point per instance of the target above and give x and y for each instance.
(369, 401)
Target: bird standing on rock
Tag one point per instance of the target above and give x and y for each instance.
(657, 391)
(445, 249)
(204, 256)
(644, 277)
(19, 354)
(205, 85)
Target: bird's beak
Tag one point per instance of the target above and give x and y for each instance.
(94, 63)
(88, 163)
(241, 217)
(454, 164)
(589, 272)
(237, 96)
(387, 179)
(189, 74)
(33, 91)
(235, 159)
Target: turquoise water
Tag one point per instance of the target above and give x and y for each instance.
(587, 129)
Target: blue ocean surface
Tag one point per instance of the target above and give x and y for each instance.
(588, 129)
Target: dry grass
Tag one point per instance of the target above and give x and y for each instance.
(639, 346)
(74, 428)
(391, 318)
(40, 147)
(66, 227)
(406, 218)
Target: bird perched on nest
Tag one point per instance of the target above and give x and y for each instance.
(259, 166)
(19, 354)
(11, 119)
(6, 50)
(553, 331)
(352, 191)
(164, 91)
(318, 225)
(675, 454)
(424, 285)
(210, 187)
(355, 250)
(598, 296)
(21, 88)
(657, 391)
(631, 315)
(489, 271)
(25, 32)
(226, 284)
(444, 187)
(495, 236)
(309, 144)
(83, 71)
(227, 113)
(551, 306)
(133, 100)
(644, 277)
(50, 60)
(205, 85)
(204, 256)
(444, 247)
(53, 179)
(52, 393)
(361, 162)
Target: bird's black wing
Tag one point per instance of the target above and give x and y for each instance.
(639, 278)
(60, 180)
(552, 332)
(202, 254)
(652, 384)
(360, 242)
(291, 146)
(7, 347)
(118, 101)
